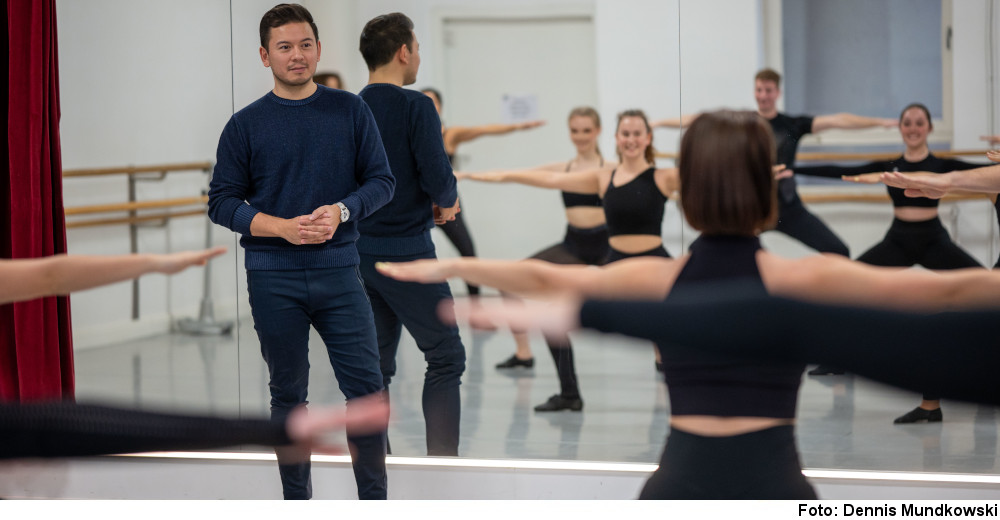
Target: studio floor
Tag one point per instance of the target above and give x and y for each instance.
(844, 422)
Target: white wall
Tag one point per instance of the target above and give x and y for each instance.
(148, 82)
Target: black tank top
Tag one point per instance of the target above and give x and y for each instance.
(635, 208)
(573, 200)
(702, 383)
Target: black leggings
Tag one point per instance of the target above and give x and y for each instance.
(617, 255)
(579, 247)
(925, 242)
(761, 465)
(458, 234)
(797, 222)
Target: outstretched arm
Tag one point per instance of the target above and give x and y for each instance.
(675, 122)
(61, 274)
(848, 121)
(456, 135)
(62, 429)
(588, 182)
(926, 184)
(635, 278)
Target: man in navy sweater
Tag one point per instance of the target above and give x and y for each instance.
(295, 171)
(400, 231)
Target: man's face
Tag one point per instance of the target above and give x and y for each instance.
(766, 93)
(414, 64)
(292, 54)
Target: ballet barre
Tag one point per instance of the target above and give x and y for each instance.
(168, 208)
(834, 157)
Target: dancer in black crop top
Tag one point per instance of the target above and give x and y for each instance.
(719, 447)
(925, 184)
(456, 230)
(916, 235)
(634, 194)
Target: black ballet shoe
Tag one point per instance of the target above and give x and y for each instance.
(514, 362)
(558, 402)
(919, 414)
(826, 370)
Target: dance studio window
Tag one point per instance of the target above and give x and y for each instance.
(867, 57)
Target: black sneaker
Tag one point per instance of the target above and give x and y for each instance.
(558, 402)
(514, 362)
(919, 414)
(826, 370)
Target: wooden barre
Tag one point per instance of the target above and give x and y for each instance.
(823, 156)
(820, 198)
(133, 206)
(132, 170)
(133, 220)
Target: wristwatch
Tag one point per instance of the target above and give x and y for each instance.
(344, 212)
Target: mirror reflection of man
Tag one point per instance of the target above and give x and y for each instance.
(794, 219)
(295, 171)
(426, 193)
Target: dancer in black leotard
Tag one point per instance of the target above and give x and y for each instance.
(634, 194)
(456, 230)
(916, 235)
(585, 243)
(732, 419)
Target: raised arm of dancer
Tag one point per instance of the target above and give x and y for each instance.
(589, 181)
(839, 281)
(637, 278)
(992, 139)
(27, 279)
(848, 121)
(674, 122)
(840, 172)
(456, 135)
(935, 186)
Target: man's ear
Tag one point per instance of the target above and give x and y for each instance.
(264, 57)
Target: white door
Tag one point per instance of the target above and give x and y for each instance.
(549, 59)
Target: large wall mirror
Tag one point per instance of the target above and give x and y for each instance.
(151, 84)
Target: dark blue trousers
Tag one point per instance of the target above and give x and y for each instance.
(284, 304)
(413, 305)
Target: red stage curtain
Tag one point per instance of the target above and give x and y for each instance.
(36, 350)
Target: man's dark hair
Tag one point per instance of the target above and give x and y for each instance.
(282, 14)
(383, 36)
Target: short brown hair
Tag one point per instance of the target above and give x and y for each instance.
(282, 14)
(323, 77)
(383, 36)
(768, 75)
(727, 185)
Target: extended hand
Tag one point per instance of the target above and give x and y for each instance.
(177, 262)
(313, 428)
(423, 271)
(554, 317)
(930, 186)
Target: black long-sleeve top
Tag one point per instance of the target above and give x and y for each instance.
(65, 429)
(952, 354)
(930, 163)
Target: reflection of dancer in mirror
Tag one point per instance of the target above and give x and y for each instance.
(63, 429)
(456, 230)
(916, 235)
(731, 419)
(794, 219)
(329, 79)
(634, 194)
(585, 243)
(425, 192)
(295, 172)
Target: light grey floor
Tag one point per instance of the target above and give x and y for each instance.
(844, 422)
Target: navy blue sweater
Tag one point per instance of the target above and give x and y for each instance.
(285, 158)
(411, 132)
